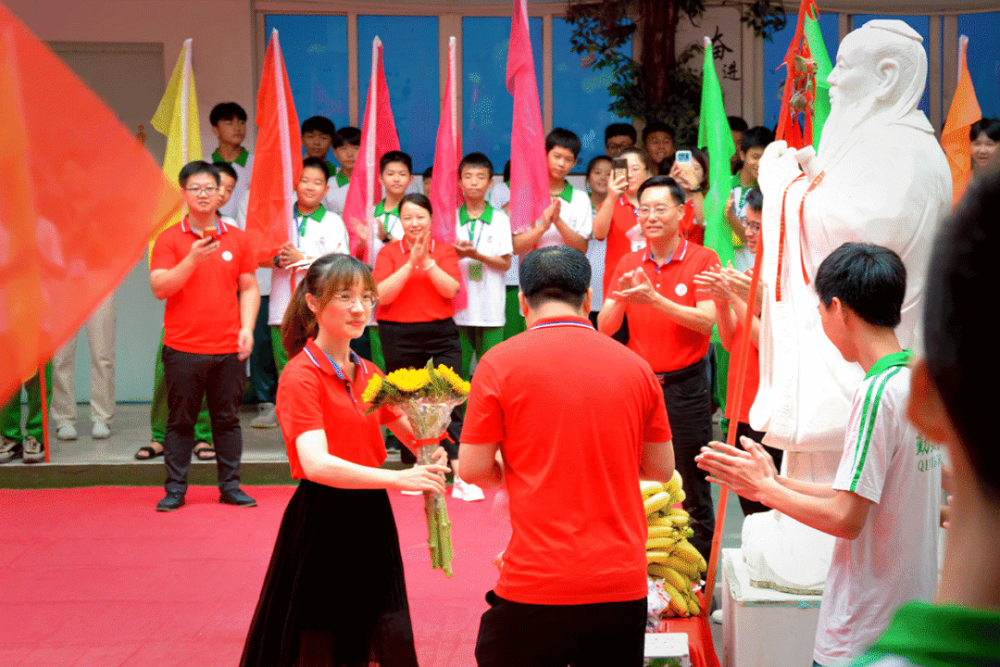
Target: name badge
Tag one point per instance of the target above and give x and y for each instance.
(476, 271)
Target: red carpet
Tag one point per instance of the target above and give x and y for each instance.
(94, 577)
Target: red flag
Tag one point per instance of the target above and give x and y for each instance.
(277, 162)
(529, 172)
(963, 113)
(799, 93)
(378, 137)
(445, 193)
(79, 199)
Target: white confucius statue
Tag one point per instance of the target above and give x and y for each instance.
(880, 177)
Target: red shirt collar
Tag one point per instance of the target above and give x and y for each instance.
(562, 321)
(679, 253)
(323, 362)
(220, 226)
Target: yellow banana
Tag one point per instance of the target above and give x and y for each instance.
(657, 556)
(659, 531)
(702, 565)
(685, 550)
(679, 511)
(682, 566)
(656, 501)
(663, 543)
(676, 579)
(693, 607)
(677, 602)
(649, 488)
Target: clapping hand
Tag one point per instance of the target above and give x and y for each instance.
(635, 287)
(464, 249)
(418, 252)
(745, 472)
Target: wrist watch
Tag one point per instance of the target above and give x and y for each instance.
(277, 261)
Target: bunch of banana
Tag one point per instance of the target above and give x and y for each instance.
(669, 554)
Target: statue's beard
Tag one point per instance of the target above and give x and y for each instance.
(843, 125)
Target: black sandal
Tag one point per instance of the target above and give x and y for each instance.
(206, 453)
(149, 451)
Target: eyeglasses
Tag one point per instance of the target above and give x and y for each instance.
(644, 211)
(751, 226)
(348, 300)
(195, 190)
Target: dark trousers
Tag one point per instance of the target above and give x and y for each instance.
(188, 377)
(411, 344)
(688, 396)
(607, 634)
(743, 430)
(263, 371)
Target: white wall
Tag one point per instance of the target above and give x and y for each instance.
(221, 30)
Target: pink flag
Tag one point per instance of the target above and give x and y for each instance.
(529, 174)
(378, 137)
(277, 163)
(445, 193)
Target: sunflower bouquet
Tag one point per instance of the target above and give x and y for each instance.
(426, 396)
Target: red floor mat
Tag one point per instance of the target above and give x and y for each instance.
(95, 577)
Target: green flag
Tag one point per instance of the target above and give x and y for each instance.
(817, 49)
(714, 134)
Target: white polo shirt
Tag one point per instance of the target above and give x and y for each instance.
(575, 211)
(319, 233)
(243, 166)
(490, 234)
(894, 558)
(337, 195)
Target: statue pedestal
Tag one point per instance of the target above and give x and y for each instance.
(762, 627)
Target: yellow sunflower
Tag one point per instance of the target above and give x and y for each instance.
(454, 379)
(409, 379)
(372, 390)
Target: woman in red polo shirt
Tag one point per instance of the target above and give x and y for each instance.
(334, 593)
(417, 277)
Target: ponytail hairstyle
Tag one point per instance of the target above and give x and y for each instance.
(327, 276)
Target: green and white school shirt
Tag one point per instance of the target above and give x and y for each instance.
(926, 635)
(894, 558)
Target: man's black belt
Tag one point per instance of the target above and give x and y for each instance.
(681, 374)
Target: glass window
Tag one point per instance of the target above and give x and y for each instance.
(315, 51)
(580, 96)
(774, 55)
(410, 60)
(984, 58)
(487, 107)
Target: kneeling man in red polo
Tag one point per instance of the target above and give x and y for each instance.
(200, 266)
(572, 589)
(670, 323)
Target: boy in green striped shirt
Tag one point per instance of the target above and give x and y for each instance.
(883, 505)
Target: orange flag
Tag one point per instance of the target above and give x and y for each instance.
(277, 162)
(79, 199)
(963, 113)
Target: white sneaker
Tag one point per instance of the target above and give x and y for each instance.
(470, 493)
(66, 432)
(717, 616)
(99, 431)
(267, 416)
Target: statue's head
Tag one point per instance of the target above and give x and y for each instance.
(881, 67)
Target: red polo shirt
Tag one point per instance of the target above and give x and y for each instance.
(314, 395)
(419, 301)
(571, 409)
(688, 228)
(654, 336)
(203, 316)
(623, 218)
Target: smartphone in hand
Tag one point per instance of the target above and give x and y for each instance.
(682, 157)
(619, 168)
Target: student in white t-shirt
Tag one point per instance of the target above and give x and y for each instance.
(316, 232)
(484, 248)
(229, 125)
(884, 503)
(346, 143)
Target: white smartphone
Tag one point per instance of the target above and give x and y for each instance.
(682, 157)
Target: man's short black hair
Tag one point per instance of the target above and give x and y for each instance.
(868, 279)
(737, 124)
(226, 169)
(676, 191)
(656, 126)
(226, 111)
(195, 168)
(317, 163)
(563, 138)
(756, 137)
(555, 273)
(395, 156)
(347, 136)
(620, 130)
(754, 199)
(429, 172)
(506, 172)
(989, 126)
(478, 160)
(959, 364)
(319, 124)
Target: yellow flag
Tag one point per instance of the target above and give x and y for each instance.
(177, 119)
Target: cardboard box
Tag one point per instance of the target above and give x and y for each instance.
(667, 649)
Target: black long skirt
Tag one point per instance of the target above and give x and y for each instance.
(334, 594)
